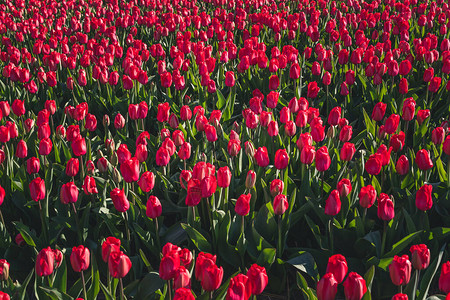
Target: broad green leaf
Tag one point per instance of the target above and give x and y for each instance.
(427, 278)
(197, 238)
(304, 262)
(400, 245)
(267, 257)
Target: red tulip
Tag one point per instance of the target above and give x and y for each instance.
(69, 193)
(435, 84)
(18, 107)
(344, 187)
(354, 286)
(111, 244)
(373, 164)
(402, 166)
(130, 170)
(89, 186)
(276, 187)
(424, 199)
(280, 204)
(444, 278)
(400, 297)
(313, 90)
(183, 294)
(37, 189)
(327, 287)
(119, 121)
(119, 200)
(367, 196)
(169, 265)
(420, 256)
(333, 204)
(258, 279)
(337, 265)
(119, 264)
(154, 208)
(423, 160)
(182, 278)
(212, 277)
(234, 147)
(347, 151)
(45, 262)
(400, 270)
(79, 147)
(80, 258)
(204, 260)
(239, 288)
(379, 111)
(262, 157)
(385, 208)
(323, 160)
(408, 109)
(33, 165)
(391, 124)
(281, 159)
(334, 116)
(422, 115)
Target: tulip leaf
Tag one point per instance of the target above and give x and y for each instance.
(437, 297)
(22, 290)
(54, 294)
(304, 261)
(308, 293)
(26, 233)
(220, 99)
(427, 278)
(400, 245)
(368, 277)
(149, 285)
(369, 123)
(197, 238)
(106, 292)
(267, 257)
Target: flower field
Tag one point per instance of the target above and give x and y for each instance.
(240, 149)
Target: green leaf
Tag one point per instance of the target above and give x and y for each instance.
(22, 290)
(149, 285)
(220, 99)
(267, 257)
(25, 232)
(369, 123)
(54, 294)
(60, 281)
(197, 238)
(305, 262)
(303, 286)
(400, 245)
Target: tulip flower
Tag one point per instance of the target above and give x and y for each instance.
(169, 265)
(400, 270)
(333, 204)
(327, 287)
(258, 279)
(420, 256)
(239, 288)
(400, 296)
(154, 208)
(280, 204)
(119, 264)
(444, 278)
(423, 160)
(111, 244)
(323, 160)
(367, 196)
(337, 265)
(119, 200)
(262, 157)
(80, 258)
(354, 286)
(69, 193)
(183, 294)
(182, 278)
(45, 262)
(424, 199)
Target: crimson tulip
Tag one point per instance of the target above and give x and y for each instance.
(119, 264)
(400, 270)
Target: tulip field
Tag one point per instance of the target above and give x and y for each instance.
(239, 149)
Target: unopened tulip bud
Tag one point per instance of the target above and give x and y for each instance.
(116, 176)
(4, 269)
(106, 121)
(249, 149)
(330, 132)
(250, 180)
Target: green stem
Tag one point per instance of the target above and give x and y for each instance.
(416, 283)
(279, 237)
(44, 226)
(79, 233)
(125, 215)
(330, 231)
(157, 233)
(383, 241)
(448, 171)
(84, 285)
(122, 295)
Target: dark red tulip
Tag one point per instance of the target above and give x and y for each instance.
(327, 287)
(423, 160)
(119, 264)
(333, 204)
(119, 200)
(385, 208)
(69, 193)
(367, 196)
(420, 256)
(424, 199)
(400, 270)
(80, 258)
(323, 160)
(154, 208)
(354, 286)
(242, 207)
(378, 111)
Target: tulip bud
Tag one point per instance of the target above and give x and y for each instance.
(385, 208)
(280, 204)
(116, 176)
(258, 279)
(4, 269)
(154, 208)
(276, 187)
(444, 278)
(367, 196)
(223, 177)
(250, 179)
(333, 204)
(119, 264)
(424, 199)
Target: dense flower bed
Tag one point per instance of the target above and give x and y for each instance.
(224, 149)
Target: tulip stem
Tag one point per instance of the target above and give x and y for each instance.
(330, 231)
(3, 220)
(122, 296)
(279, 236)
(169, 289)
(125, 215)
(383, 240)
(44, 227)
(157, 233)
(80, 234)
(416, 283)
(448, 171)
(84, 285)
